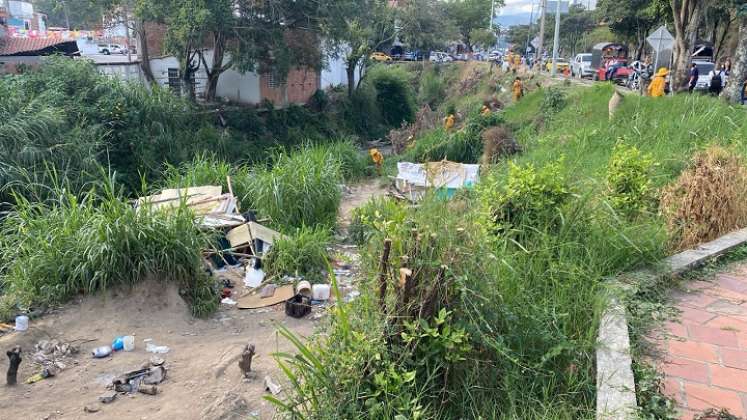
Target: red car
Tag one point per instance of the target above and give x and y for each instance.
(607, 56)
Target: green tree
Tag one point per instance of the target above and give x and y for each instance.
(81, 14)
(633, 20)
(424, 25)
(469, 15)
(483, 38)
(353, 29)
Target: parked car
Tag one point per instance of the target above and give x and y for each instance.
(381, 57)
(108, 49)
(581, 66)
(412, 56)
(609, 56)
(460, 57)
(494, 56)
(562, 65)
(440, 57)
(704, 78)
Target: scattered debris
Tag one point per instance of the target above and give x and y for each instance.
(245, 363)
(101, 352)
(156, 361)
(303, 288)
(254, 273)
(211, 207)
(298, 307)
(270, 295)
(253, 234)
(150, 347)
(228, 301)
(22, 323)
(148, 389)
(14, 355)
(271, 386)
(91, 408)
(107, 397)
(320, 292)
(413, 179)
(44, 374)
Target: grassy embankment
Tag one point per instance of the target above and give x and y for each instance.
(516, 267)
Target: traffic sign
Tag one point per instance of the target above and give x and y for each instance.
(661, 39)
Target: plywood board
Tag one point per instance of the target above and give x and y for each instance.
(255, 301)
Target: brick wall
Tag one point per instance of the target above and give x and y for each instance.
(156, 34)
(299, 86)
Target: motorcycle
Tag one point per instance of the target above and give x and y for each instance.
(640, 76)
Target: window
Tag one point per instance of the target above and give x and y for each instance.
(274, 80)
(175, 82)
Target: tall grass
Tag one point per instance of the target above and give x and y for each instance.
(82, 243)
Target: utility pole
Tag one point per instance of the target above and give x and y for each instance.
(556, 41)
(492, 14)
(541, 48)
(67, 14)
(529, 34)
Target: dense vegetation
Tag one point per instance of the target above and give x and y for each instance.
(499, 316)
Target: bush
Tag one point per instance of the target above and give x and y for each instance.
(629, 180)
(354, 164)
(707, 200)
(50, 252)
(497, 143)
(553, 102)
(394, 95)
(530, 197)
(302, 253)
(300, 189)
(375, 216)
(432, 90)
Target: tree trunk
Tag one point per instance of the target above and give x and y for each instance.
(217, 68)
(733, 90)
(350, 70)
(142, 37)
(687, 15)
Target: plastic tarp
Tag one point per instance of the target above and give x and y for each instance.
(449, 175)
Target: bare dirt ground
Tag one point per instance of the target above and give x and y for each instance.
(203, 379)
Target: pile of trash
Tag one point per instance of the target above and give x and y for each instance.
(51, 356)
(414, 179)
(212, 208)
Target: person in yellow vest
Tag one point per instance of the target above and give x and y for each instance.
(517, 61)
(518, 89)
(485, 111)
(658, 85)
(449, 122)
(378, 159)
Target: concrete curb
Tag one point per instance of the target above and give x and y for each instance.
(616, 398)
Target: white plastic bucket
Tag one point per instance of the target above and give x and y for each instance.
(129, 343)
(320, 292)
(22, 323)
(303, 288)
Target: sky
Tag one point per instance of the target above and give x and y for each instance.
(515, 7)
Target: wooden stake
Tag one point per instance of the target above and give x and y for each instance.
(383, 269)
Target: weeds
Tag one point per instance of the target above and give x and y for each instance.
(301, 253)
(82, 244)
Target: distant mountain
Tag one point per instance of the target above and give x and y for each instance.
(516, 19)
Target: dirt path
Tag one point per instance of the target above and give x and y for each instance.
(203, 381)
(704, 355)
(357, 195)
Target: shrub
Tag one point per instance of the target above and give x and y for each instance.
(394, 95)
(707, 200)
(498, 142)
(302, 253)
(530, 196)
(300, 189)
(377, 215)
(353, 163)
(50, 252)
(553, 102)
(629, 180)
(432, 90)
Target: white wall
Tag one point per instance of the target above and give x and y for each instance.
(334, 74)
(127, 72)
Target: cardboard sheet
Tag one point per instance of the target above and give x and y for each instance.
(255, 301)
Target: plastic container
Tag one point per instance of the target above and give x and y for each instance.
(22, 323)
(320, 292)
(118, 344)
(100, 352)
(304, 288)
(128, 343)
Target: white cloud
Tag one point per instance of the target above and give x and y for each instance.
(514, 7)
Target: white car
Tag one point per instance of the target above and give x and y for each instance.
(108, 49)
(581, 66)
(494, 56)
(704, 77)
(440, 57)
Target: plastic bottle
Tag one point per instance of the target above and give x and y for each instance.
(22, 323)
(101, 352)
(118, 344)
(128, 342)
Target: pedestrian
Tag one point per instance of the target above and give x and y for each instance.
(694, 74)
(378, 159)
(658, 86)
(518, 89)
(718, 81)
(449, 122)
(727, 66)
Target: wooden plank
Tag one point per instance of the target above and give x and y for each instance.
(244, 234)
